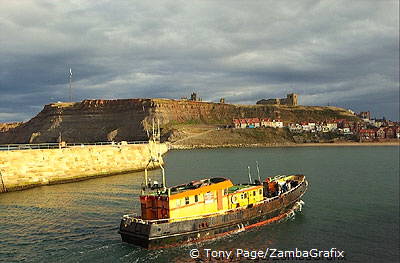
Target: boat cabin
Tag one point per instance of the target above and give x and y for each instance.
(199, 198)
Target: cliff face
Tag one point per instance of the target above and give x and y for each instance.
(193, 112)
(4, 127)
(127, 119)
(86, 121)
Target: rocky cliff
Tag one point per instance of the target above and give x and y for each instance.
(128, 119)
(4, 127)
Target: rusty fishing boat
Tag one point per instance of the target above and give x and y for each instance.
(209, 208)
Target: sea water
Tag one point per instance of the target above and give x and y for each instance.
(352, 205)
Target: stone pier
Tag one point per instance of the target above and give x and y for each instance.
(21, 169)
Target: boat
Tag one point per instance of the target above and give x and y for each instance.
(208, 208)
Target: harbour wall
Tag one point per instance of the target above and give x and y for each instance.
(21, 169)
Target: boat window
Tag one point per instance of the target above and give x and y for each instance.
(187, 200)
(225, 191)
(241, 196)
(196, 198)
(217, 180)
(254, 193)
(260, 191)
(245, 195)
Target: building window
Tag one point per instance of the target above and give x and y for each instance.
(196, 198)
(187, 200)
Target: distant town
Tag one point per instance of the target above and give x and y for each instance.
(366, 130)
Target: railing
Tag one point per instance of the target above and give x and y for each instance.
(13, 147)
(135, 218)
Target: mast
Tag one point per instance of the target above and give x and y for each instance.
(164, 181)
(248, 167)
(155, 139)
(258, 172)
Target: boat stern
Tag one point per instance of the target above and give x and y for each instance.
(135, 231)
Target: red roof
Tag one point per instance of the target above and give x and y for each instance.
(367, 131)
(339, 120)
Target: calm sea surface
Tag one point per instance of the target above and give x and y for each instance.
(352, 204)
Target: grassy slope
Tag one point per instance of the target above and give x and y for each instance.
(214, 136)
(197, 132)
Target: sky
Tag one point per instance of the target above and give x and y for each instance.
(339, 53)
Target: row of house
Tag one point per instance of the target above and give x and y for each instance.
(257, 122)
(327, 126)
(341, 126)
(380, 133)
(313, 127)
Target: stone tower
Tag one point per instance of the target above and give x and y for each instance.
(292, 99)
(193, 96)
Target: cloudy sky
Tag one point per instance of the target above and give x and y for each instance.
(343, 53)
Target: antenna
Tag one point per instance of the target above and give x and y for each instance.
(159, 138)
(153, 130)
(70, 84)
(155, 159)
(258, 172)
(248, 167)
(158, 130)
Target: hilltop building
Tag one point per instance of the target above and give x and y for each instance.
(193, 97)
(291, 100)
(364, 115)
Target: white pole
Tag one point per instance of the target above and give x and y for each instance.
(258, 172)
(70, 84)
(248, 167)
(158, 129)
(145, 178)
(163, 177)
(153, 129)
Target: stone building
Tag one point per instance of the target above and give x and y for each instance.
(193, 97)
(364, 115)
(291, 100)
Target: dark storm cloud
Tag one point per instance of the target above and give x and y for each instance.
(330, 52)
